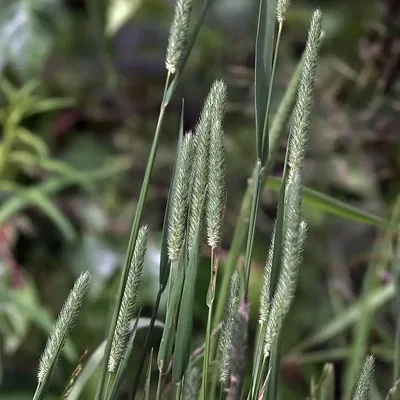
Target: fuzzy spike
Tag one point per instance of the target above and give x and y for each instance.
(180, 198)
(281, 10)
(266, 287)
(212, 111)
(361, 391)
(302, 110)
(128, 304)
(63, 325)
(178, 35)
(225, 340)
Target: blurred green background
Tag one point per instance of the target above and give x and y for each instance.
(68, 195)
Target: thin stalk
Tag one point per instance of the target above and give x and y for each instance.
(261, 332)
(132, 240)
(178, 390)
(259, 380)
(107, 389)
(396, 312)
(274, 368)
(258, 173)
(238, 239)
(159, 384)
(258, 354)
(146, 342)
(396, 366)
(210, 302)
(265, 143)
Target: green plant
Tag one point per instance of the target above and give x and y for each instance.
(194, 212)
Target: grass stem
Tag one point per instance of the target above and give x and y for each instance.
(210, 302)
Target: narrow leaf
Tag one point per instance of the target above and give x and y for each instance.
(147, 387)
(185, 318)
(263, 69)
(331, 205)
(377, 299)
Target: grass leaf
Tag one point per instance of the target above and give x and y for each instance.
(331, 205)
(185, 318)
(263, 69)
(376, 299)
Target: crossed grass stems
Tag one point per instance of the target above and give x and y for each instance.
(194, 215)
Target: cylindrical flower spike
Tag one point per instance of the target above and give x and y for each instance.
(178, 35)
(213, 111)
(302, 110)
(63, 325)
(128, 304)
(180, 198)
(225, 339)
(361, 391)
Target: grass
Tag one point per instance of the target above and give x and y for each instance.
(194, 218)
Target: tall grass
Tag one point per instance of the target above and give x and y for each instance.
(194, 218)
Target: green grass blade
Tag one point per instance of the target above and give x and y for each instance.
(377, 299)
(326, 384)
(147, 387)
(263, 70)
(257, 177)
(87, 372)
(396, 310)
(274, 369)
(185, 318)
(146, 341)
(331, 205)
(175, 293)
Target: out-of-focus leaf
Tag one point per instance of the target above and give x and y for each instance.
(377, 299)
(119, 12)
(394, 392)
(34, 142)
(52, 212)
(27, 33)
(21, 396)
(28, 197)
(331, 205)
(26, 305)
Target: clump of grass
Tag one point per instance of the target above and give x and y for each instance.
(194, 218)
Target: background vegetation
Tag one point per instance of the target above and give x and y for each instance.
(84, 81)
